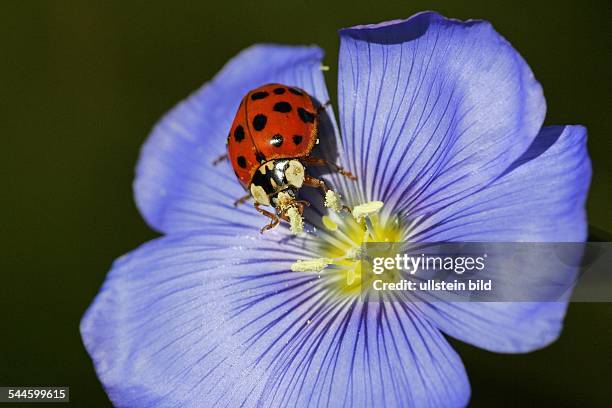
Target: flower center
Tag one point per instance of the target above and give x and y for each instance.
(341, 243)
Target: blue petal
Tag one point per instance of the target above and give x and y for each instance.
(206, 320)
(432, 108)
(177, 188)
(540, 198)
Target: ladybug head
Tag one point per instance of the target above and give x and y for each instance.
(276, 177)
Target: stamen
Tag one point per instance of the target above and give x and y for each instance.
(329, 223)
(332, 201)
(312, 265)
(295, 220)
(367, 209)
(324, 68)
(341, 242)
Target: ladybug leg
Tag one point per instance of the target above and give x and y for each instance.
(273, 217)
(242, 200)
(315, 161)
(271, 225)
(220, 159)
(316, 183)
(301, 204)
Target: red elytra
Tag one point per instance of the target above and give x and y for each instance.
(273, 121)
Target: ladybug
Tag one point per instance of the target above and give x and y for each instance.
(269, 146)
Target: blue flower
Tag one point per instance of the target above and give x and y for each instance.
(441, 120)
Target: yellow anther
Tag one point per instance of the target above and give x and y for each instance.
(367, 209)
(332, 200)
(296, 221)
(324, 68)
(311, 265)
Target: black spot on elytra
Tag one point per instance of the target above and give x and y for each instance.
(259, 122)
(259, 95)
(239, 133)
(279, 91)
(260, 157)
(277, 140)
(282, 107)
(306, 116)
(242, 162)
(296, 91)
(297, 139)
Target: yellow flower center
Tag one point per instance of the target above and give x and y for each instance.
(340, 244)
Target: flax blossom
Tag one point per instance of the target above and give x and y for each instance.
(441, 121)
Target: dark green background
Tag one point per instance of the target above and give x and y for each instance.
(81, 85)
